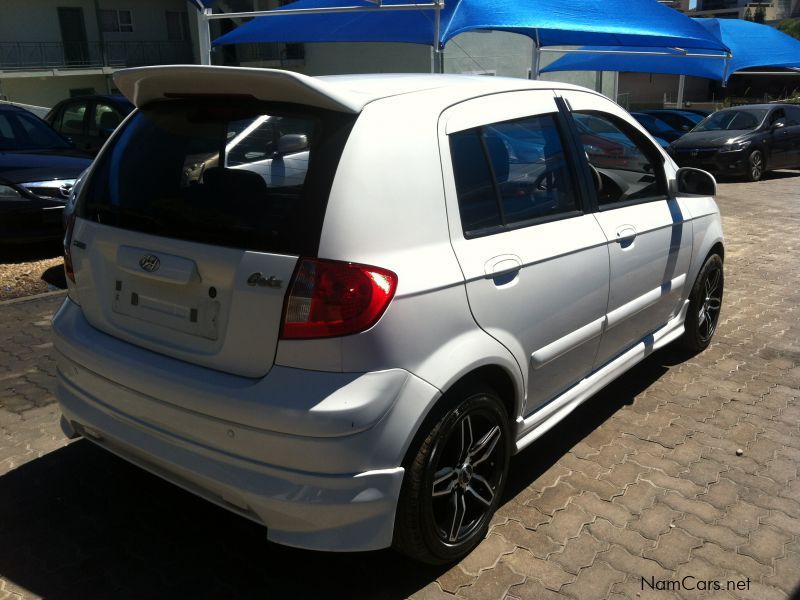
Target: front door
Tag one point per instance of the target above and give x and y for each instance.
(534, 260)
(73, 35)
(649, 238)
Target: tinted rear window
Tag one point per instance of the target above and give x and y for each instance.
(234, 173)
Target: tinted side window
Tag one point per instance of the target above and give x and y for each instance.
(792, 115)
(628, 166)
(106, 118)
(477, 198)
(72, 118)
(776, 115)
(511, 173)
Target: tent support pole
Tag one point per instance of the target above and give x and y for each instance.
(204, 36)
(726, 71)
(536, 58)
(681, 86)
(437, 59)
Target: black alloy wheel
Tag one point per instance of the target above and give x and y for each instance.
(705, 305)
(453, 486)
(755, 165)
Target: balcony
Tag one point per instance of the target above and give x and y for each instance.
(34, 56)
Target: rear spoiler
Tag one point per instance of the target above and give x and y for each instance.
(145, 84)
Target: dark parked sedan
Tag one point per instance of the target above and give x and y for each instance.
(745, 140)
(89, 120)
(657, 127)
(38, 168)
(682, 120)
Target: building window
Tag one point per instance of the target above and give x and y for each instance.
(177, 26)
(116, 21)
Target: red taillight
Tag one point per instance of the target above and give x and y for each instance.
(68, 268)
(329, 298)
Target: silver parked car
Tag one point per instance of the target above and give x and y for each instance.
(338, 305)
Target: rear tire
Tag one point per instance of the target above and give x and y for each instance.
(705, 304)
(454, 482)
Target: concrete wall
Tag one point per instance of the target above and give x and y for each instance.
(587, 79)
(47, 90)
(648, 90)
(495, 52)
(339, 59)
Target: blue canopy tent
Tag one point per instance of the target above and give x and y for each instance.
(751, 44)
(608, 23)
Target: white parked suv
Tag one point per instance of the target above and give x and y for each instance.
(338, 305)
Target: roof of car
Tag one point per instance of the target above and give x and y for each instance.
(344, 93)
(764, 106)
(108, 97)
(13, 107)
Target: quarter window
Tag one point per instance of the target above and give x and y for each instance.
(511, 174)
(626, 167)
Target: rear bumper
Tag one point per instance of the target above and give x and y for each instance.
(323, 488)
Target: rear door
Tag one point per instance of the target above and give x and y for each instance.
(535, 263)
(649, 237)
(178, 250)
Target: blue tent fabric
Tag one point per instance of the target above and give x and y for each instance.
(752, 45)
(557, 22)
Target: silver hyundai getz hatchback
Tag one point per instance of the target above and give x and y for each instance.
(337, 306)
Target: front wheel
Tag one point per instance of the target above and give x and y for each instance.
(755, 165)
(453, 485)
(705, 304)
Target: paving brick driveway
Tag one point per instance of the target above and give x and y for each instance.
(642, 482)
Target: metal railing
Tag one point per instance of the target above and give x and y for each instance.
(31, 56)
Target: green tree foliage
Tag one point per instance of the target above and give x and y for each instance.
(760, 15)
(748, 14)
(790, 27)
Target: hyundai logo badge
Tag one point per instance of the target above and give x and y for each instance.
(149, 263)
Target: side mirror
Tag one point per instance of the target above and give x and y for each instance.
(291, 143)
(694, 182)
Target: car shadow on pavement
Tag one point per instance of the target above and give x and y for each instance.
(529, 464)
(768, 176)
(56, 277)
(81, 523)
(21, 253)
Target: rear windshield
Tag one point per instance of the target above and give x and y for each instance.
(235, 173)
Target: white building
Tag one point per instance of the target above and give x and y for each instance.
(54, 49)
